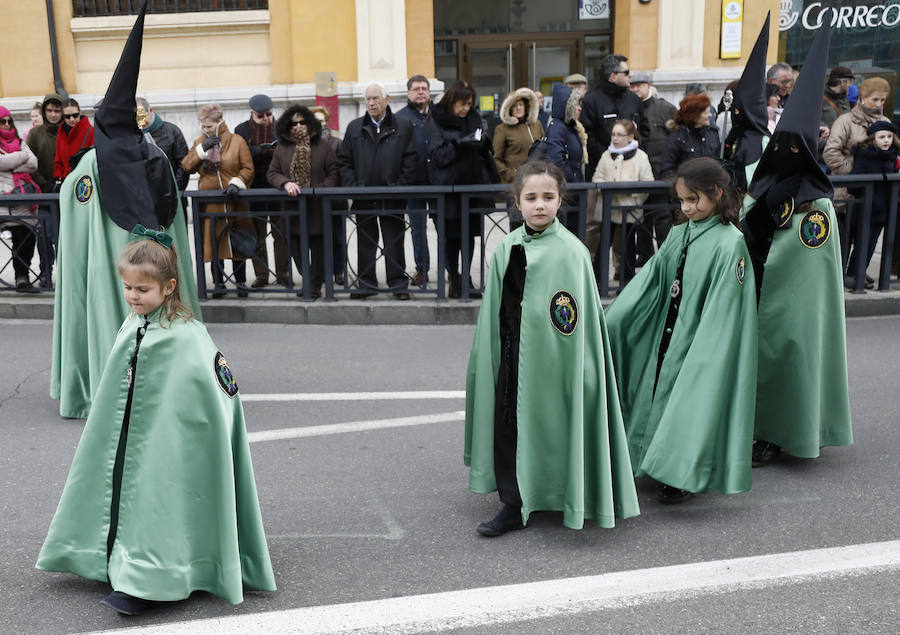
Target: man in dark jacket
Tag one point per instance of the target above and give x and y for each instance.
(657, 111)
(42, 140)
(417, 112)
(379, 150)
(259, 133)
(169, 139)
(606, 102)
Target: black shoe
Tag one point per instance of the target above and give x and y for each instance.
(668, 495)
(850, 282)
(127, 604)
(454, 291)
(242, 292)
(870, 280)
(507, 519)
(24, 286)
(764, 452)
(474, 292)
(401, 296)
(339, 279)
(219, 292)
(362, 295)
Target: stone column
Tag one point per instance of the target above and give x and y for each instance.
(381, 40)
(681, 28)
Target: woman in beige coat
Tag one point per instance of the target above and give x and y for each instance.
(849, 131)
(224, 162)
(622, 162)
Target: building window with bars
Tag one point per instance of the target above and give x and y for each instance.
(92, 8)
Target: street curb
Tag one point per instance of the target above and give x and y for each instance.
(373, 311)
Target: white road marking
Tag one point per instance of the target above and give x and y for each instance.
(472, 608)
(355, 396)
(354, 426)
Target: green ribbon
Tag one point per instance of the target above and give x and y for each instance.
(161, 237)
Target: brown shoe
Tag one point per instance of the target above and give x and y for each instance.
(260, 282)
(420, 278)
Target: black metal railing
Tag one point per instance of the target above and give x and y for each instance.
(289, 225)
(92, 8)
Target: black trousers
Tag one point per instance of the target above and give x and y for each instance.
(23, 241)
(316, 259)
(393, 230)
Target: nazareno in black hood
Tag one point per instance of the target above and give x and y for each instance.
(749, 114)
(136, 185)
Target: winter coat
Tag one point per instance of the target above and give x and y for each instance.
(657, 111)
(872, 160)
(262, 155)
(68, 143)
(457, 158)
(378, 156)
(236, 168)
(418, 120)
(21, 161)
(849, 130)
(630, 166)
(566, 138)
(599, 111)
(512, 138)
(833, 106)
(170, 140)
(323, 169)
(42, 141)
(685, 143)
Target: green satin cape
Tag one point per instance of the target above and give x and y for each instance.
(188, 516)
(571, 453)
(803, 400)
(696, 431)
(88, 303)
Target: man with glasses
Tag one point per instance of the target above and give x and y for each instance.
(259, 133)
(606, 102)
(73, 138)
(42, 140)
(781, 75)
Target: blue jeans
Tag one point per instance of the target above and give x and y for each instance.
(419, 230)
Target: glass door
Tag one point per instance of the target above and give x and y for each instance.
(490, 67)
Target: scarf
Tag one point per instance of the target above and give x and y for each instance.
(300, 164)
(155, 125)
(260, 133)
(22, 181)
(871, 115)
(9, 141)
(632, 145)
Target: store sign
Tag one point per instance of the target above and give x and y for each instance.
(813, 16)
(593, 9)
(732, 21)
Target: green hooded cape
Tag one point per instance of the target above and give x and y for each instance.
(571, 453)
(696, 431)
(803, 399)
(88, 303)
(188, 514)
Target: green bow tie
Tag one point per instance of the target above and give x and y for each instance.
(161, 237)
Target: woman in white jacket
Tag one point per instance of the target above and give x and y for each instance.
(623, 161)
(17, 162)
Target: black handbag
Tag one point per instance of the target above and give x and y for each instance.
(538, 150)
(243, 243)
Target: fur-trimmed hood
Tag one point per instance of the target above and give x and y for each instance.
(283, 125)
(531, 106)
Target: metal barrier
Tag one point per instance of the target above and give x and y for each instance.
(41, 227)
(291, 229)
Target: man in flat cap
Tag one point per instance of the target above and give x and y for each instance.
(834, 103)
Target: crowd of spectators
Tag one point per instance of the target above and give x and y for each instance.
(618, 130)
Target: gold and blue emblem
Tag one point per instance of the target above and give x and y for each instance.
(783, 212)
(563, 312)
(740, 269)
(815, 228)
(224, 376)
(84, 188)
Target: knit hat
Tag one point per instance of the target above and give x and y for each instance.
(4, 112)
(880, 125)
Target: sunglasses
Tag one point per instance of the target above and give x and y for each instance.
(268, 113)
(625, 72)
(6, 120)
(298, 123)
(77, 115)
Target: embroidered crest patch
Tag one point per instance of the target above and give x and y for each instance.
(84, 188)
(563, 312)
(815, 228)
(782, 214)
(740, 270)
(224, 376)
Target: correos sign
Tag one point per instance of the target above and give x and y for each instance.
(812, 17)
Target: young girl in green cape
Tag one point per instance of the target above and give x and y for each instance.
(683, 338)
(543, 426)
(160, 500)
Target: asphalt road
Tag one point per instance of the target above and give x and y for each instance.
(368, 515)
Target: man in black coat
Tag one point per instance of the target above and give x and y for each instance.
(379, 150)
(606, 102)
(168, 138)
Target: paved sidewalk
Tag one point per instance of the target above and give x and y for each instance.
(274, 308)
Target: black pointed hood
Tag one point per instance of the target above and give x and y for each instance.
(749, 112)
(792, 151)
(135, 179)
